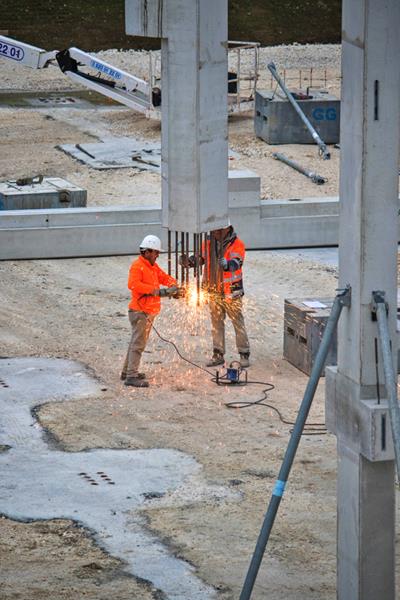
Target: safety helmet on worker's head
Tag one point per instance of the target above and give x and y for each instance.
(151, 242)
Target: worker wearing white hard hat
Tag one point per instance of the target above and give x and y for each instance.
(145, 278)
(151, 242)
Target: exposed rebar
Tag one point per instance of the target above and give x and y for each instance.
(176, 257)
(182, 258)
(169, 253)
(187, 264)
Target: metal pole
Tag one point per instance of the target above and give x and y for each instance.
(390, 376)
(169, 253)
(207, 243)
(201, 252)
(255, 71)
(198, 253)
(315, 178)
(187, 267)
(323, 149)
(343, 298)
(182, 254)
(238, 80)
(176, 256)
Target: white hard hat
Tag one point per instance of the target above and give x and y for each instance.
(151, 242)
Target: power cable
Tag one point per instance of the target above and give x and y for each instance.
(310, 429)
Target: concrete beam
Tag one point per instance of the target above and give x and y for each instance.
(111, 231)
(106, 231)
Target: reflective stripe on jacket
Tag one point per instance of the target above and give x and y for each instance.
(143, 279)
(231, 285)
(233, 280)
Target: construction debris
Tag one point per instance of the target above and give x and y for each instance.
(315, 178)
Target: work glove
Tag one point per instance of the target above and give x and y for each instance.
(223, 263)
(184, 261)
(167, 292)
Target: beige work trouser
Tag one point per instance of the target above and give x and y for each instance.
(141, 325)
(219, 309)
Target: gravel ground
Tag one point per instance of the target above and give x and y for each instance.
(296, 56)
(77, 309)
(277, 180)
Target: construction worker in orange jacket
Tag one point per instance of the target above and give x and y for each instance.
(145, 277)
(223, 257)
(229, 252)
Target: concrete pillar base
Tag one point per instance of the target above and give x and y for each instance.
(365, 489)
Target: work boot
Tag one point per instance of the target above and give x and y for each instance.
(139, 376)
(136, 382)
(216, 360)
(244, 360)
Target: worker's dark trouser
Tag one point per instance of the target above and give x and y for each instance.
(141, 325)
(219, 309)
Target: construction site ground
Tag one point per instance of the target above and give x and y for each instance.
(77, 309)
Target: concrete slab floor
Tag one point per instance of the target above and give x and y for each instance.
(101, 489)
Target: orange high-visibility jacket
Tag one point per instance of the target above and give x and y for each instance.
(232, 281)
(143, 279)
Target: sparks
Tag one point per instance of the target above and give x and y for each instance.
(194, 296)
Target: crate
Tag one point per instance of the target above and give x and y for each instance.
(51, 192)
(276, 121)
(303, 330)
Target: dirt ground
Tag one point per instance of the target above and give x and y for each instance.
(77, 309)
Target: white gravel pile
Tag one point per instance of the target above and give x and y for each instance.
(296, 56)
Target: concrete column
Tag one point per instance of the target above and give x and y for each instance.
(370, 122)
(193, 108)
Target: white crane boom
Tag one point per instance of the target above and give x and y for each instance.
(25, 54)
(104, 78)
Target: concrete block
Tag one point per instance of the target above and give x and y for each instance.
(276, 121)
(355, 414)
(52, 192)
(244, 189)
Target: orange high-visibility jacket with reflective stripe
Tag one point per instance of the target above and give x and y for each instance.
(232, 282)
(143, 279)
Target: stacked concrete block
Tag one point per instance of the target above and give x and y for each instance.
(276, 121)
(51, 192)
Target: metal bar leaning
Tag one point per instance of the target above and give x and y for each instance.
(315, 178)
(322, 146)
(342, 299)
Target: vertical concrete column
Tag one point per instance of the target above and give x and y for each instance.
(370, 123)
(194, 107)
